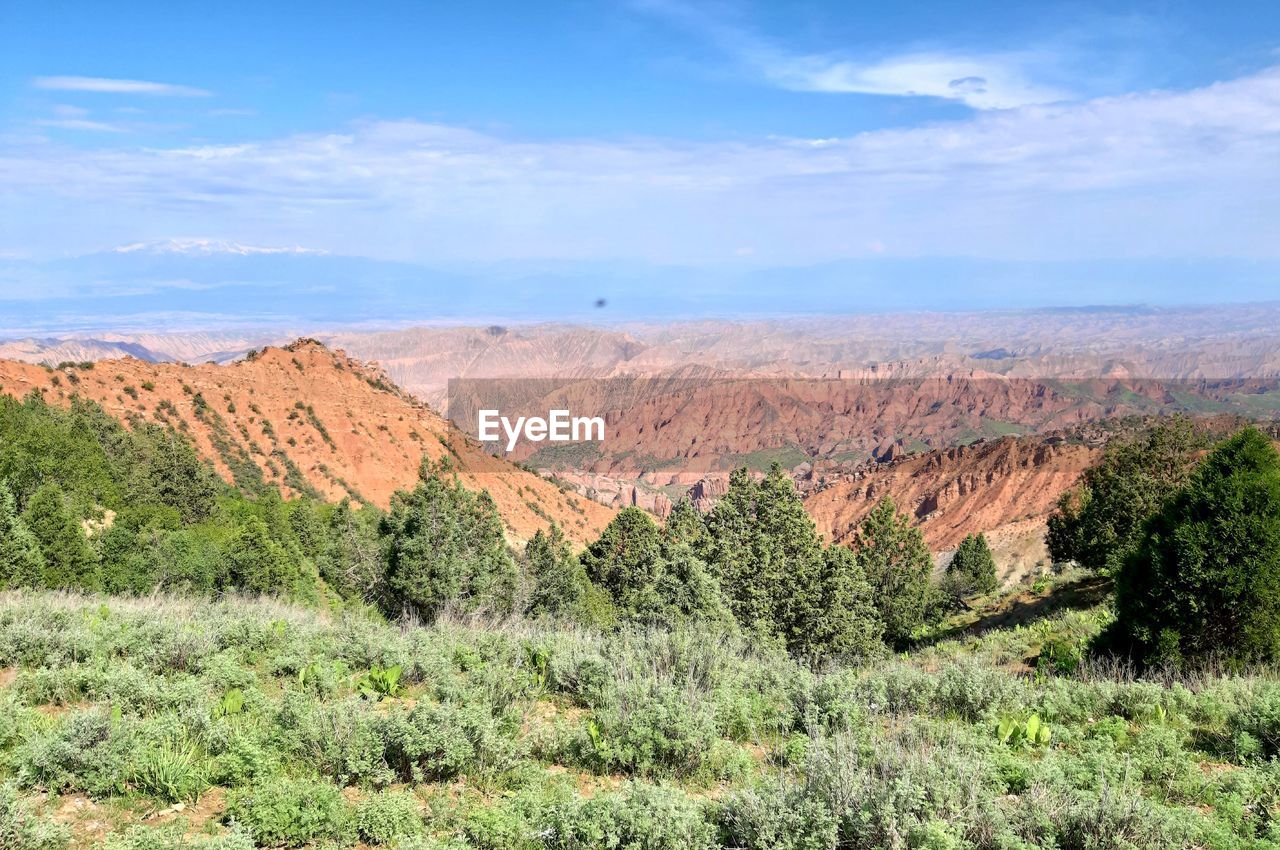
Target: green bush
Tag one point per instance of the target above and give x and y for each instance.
(387, 816)
(282, 812)
(174, 838)
(22, 829)
(89, 751)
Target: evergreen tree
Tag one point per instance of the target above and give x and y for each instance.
(1205, 579)
(625, 559)
(685, 525)
(162, 467)
(559, 582)
(69, 561)
(898, 567)
(777, 578)
(1100, 523)
(972, 571)
(847, 624)
(256, 562)
(352, 561)
(306, 527)
(21, 561)
(735, 548)
(686, 590)
(445, 546)
(650, 578)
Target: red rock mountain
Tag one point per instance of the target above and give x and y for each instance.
(309, 419)
(1006, 489)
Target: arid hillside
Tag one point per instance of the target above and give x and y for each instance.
(1005, 488)
(307, 419)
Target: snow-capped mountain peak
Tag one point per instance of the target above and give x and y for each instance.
(208, 247)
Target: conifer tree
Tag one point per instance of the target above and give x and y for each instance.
(652, 578)
(685, 525)
(898, 567)
(352, 560)
(255, 562)
(21, 562)
(558, 580)
(69, 561)
(1205, 580)
(1100, 523)
(626, 558)
(445, 546)
(778, 579)
(972, 570)
(736, 551)
(847, 624)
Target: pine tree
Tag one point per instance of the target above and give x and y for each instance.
(1205, 579)
(972, 570)
(445, 546)
(776, 576)
(559, 582)
(686, 590)
(685, 525)
(352, 560)
(847, 625)
(626, 558)
(735, 549)
(650, 577)
(1100, 523)
(69, 561)
(898, 567)
(255, 562)
(21, 562)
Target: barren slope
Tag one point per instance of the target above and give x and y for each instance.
(1006, 489)
(307, 419)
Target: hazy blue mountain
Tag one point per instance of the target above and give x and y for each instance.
(200, 283)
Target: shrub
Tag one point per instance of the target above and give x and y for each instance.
(22, 829)
(87, 752)
(290, 812)
(173, 838)
(387, 816)
(647, 733)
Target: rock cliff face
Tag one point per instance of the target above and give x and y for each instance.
(1006, 489)
(307, 419)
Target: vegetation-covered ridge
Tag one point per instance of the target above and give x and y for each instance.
(306, 421)
(166, 723)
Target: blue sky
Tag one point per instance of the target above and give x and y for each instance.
(723, 136)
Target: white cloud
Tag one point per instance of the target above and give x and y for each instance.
(80, 124)
(106, 85)
(980, 80)
(1156, 174)
(983, 82)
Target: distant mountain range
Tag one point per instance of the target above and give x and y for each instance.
(176, 284)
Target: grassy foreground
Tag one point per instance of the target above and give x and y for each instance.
(172, 723)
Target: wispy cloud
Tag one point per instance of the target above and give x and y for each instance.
(982, 80)
(106, 85)
(83, 124)
(1155, 174)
